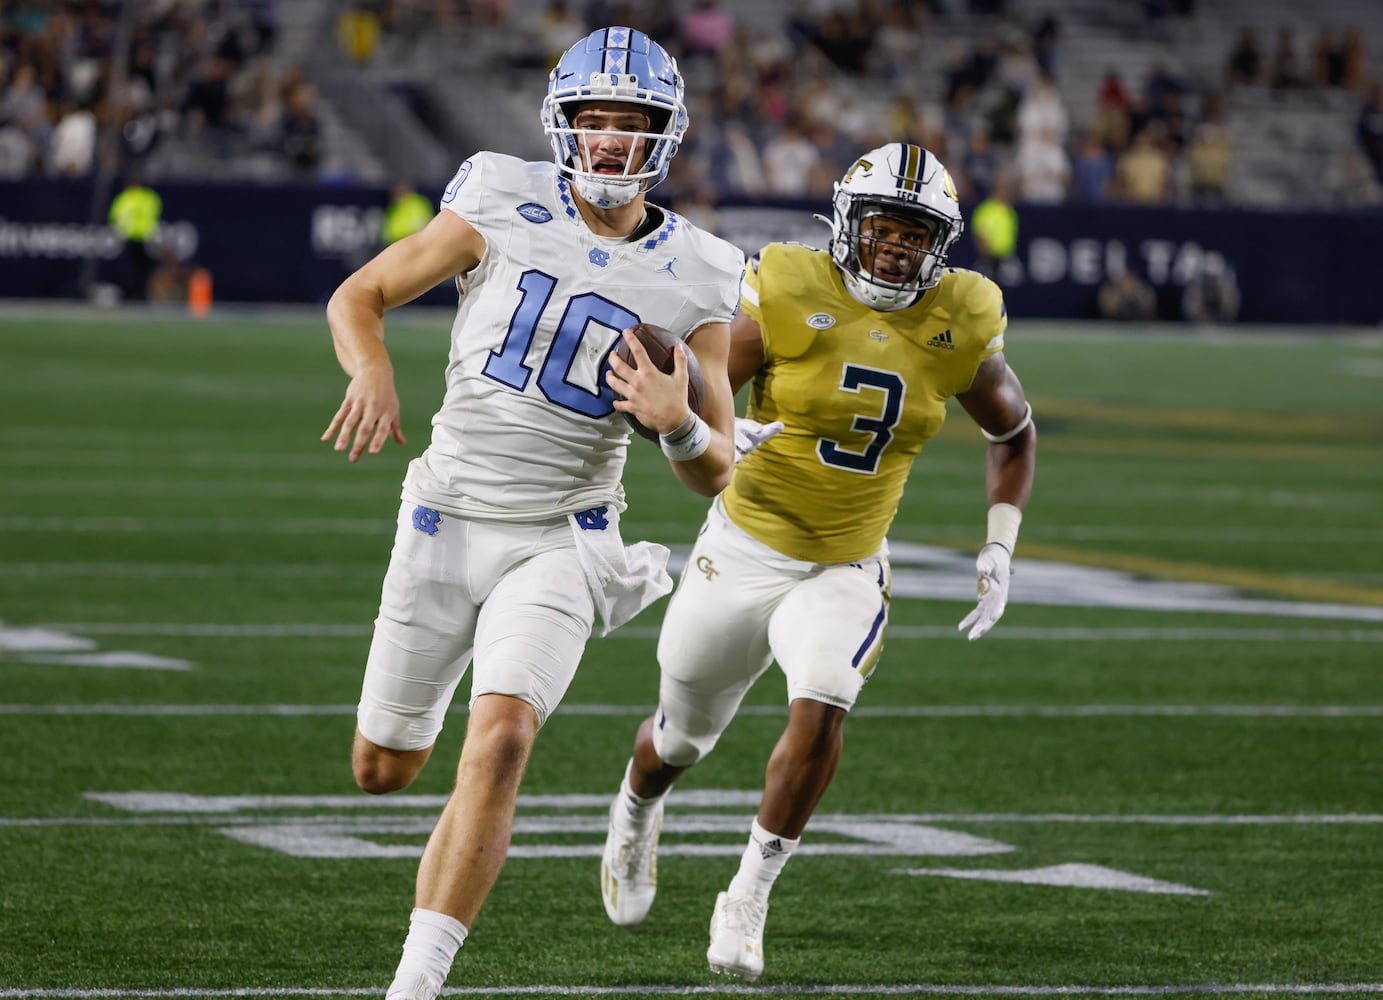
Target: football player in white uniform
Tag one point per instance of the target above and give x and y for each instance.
(508, 535)
(853, 354)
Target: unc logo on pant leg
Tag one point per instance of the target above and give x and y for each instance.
(426, 520)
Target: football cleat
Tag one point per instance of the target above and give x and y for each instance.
(737, 936)
(629, 866)
(419, 987)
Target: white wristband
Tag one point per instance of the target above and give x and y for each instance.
(1010, 434)
(1004, 519)
(690, 440)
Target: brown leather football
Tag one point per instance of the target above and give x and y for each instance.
(659, 342)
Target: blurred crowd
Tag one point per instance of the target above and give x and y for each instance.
(178, 85)
(778, 112)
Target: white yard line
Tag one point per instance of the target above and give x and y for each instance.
(307, 630)
(433, 807)
(862, 711)
(743, 990)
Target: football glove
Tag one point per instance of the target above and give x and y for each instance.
(749, 434)
(992, 565)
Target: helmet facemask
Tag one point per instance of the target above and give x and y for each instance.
(895, 218)
(604, 177)
(621, 69)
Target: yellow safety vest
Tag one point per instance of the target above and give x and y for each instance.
(135, 213)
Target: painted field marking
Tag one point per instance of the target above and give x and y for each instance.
(310, 630)
(545, 827)
(736, 990)
(860, 711)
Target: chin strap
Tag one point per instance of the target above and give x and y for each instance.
(606, 193)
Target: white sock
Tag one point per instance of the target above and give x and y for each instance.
(639, 811)
(762, 862)
(432, 943)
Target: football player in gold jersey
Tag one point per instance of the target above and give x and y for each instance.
(853, 354)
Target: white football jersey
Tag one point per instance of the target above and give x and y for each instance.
(528, 428)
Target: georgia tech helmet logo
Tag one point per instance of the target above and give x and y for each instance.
(949, 185)
(861, 165)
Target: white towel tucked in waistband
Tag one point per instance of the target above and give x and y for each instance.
(623, 579)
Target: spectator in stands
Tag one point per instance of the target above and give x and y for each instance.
(845, 37)
(72, 151)
(357, 32)
(16, 151)
(973, 70)
(1208, 162)
(300, 136)
(1369, 129)
(1125, 297)
(1245, 67)
(707, 29)
(1161, 82)
(1143, 173)
(1328, 59)
(1356, 71)
(1112, 111)
(1093, 170)
(1044, 42)
(978, 166)
(1042, 112)
(1286, 72)
(790, 161)
(735, 167)
(1043, 168)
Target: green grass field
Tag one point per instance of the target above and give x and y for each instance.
(1162, 773)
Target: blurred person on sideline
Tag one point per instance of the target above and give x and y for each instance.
(508, 538)
(407, 213)
(135, 214)
(994, 227)
(1125, 297)
(852, 354)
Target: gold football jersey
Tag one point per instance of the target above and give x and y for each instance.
(859, 392)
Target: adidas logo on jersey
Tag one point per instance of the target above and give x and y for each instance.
(943, 341)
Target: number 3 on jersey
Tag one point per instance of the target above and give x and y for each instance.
(507, 365)
(855, 378)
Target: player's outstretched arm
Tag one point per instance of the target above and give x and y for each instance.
(369, 414)
(995, 401)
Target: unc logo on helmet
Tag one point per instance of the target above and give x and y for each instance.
(902, 182)
(625, 66)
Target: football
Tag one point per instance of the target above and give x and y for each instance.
(659, 342)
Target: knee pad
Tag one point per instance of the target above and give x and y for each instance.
(677, 747)
(388, 727)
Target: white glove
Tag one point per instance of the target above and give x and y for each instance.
(749, 434)
(992, 564)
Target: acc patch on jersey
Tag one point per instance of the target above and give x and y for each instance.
(534, 212)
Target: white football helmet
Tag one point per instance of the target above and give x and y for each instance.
(904, 181)
(625, 65)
